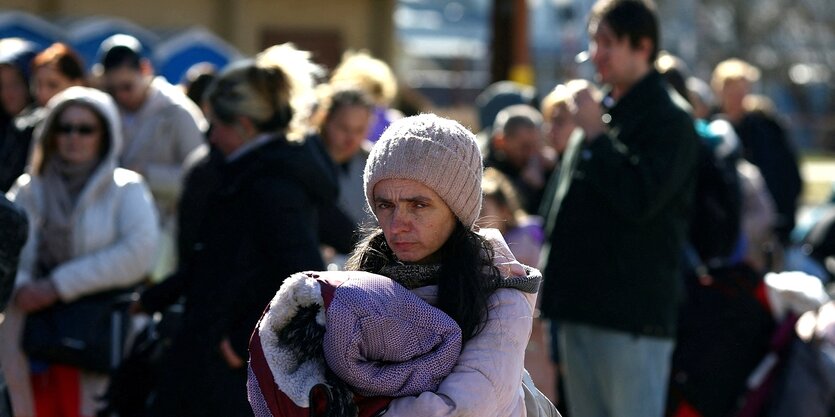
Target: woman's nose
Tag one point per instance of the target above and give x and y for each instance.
(399, 220)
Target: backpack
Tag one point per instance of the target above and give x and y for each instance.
(717, 201)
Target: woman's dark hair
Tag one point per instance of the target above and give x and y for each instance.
(635, 19)
(466, 278)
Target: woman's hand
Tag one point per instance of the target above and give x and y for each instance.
(34, 296)
(135, 308)
(232, 359)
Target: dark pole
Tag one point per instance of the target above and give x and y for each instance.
(510, 58)
(501, 41)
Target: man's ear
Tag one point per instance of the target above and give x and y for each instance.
(499, 141)
(645, 47)
(146, 68)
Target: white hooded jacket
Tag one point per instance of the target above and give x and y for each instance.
(115, 231)
(165, 130)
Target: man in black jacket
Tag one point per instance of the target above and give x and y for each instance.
(618, 222)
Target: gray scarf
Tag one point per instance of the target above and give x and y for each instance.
(414, 276)
(63, 183)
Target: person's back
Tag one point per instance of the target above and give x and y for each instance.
(258, 226)
(766, 145)
(620, 221)
(764, 141)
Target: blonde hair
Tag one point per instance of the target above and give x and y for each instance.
(372, 74)
(275, 91)
(733, 69)
(562, 95)
(558, 97)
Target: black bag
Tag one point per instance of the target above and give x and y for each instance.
(88, 333)
(133, 383)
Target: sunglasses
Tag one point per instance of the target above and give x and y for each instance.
(81, 129)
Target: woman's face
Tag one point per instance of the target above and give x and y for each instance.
(559, 128)
(415, 220)
(13, 94)
(345, 131)
(78, 134)
(732, 95)
(225, 136)
(48, 82)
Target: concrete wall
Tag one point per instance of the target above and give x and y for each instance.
(359, 24)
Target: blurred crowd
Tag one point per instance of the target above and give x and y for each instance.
(662, 210)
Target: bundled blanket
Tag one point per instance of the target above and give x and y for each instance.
(345, 343)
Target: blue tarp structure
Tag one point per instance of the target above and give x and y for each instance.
(87, 34)
(171, 56)
(175, 55)
(16, 24)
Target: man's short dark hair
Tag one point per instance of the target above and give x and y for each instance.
(120, 51)
(636, 19)
(516, 116)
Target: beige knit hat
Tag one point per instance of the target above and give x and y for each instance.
(439, 153)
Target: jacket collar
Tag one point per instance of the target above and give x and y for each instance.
(628, 112)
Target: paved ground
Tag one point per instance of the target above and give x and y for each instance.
(537, 361)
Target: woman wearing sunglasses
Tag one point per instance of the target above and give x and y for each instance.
(93, 228)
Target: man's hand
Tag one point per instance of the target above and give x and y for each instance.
(232, 359)
(585, 109)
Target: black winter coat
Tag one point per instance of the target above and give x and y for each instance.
(766, 145)
(13, 233)
(620, 215)
(16, 144)
(259, 226)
